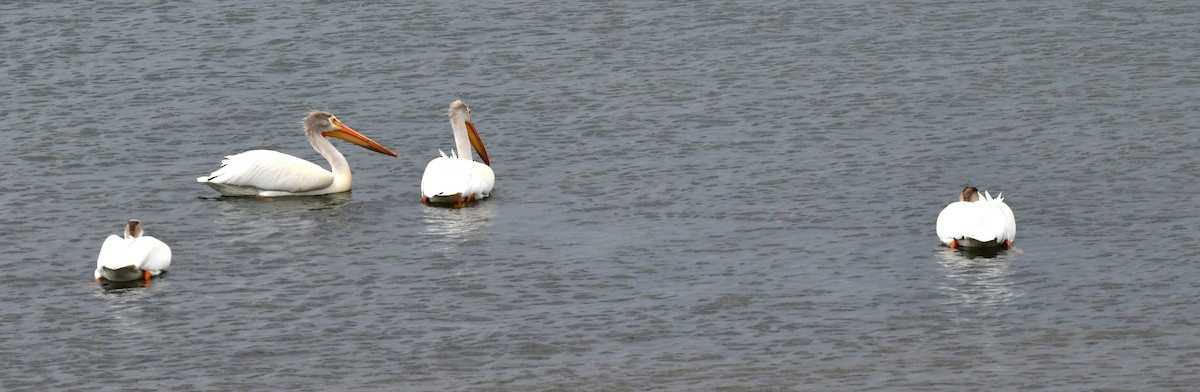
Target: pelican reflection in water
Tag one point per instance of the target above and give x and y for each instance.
(458, 224)
(977, 280)
(256, 222)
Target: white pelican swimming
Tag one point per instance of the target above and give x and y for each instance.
(977, 221)
(269, 173)
(456, 179)
(132, 257)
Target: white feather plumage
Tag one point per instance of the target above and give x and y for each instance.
(447, 176)
(988, 221)
(145, 253)
(456, 177)
(270, 173)
(255, 171)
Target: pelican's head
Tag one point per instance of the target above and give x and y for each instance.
(133, 229)
(969, 193)
(460, 113)
(327, 125)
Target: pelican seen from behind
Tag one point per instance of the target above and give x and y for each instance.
(977, 221)
(134, 256)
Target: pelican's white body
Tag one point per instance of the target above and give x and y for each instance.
(457, 176)
(271, 173)
(448, 176)
(143, 253)
(985, 222)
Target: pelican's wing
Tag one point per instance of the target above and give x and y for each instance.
(111, 253)
(156, 254)
(955, 221)
(482, 179)
(987, 224)
(271, 171)
(120, 252)
(448, 176)
(443, 177)
(1000, 219)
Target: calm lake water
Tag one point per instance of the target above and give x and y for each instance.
(690, 196)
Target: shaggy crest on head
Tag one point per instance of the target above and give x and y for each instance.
(318, 121)
(457, 106)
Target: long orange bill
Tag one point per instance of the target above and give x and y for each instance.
(350, 135)
(477, 143)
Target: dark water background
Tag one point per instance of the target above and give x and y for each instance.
(690, 196)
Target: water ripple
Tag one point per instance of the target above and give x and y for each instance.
(711, 196)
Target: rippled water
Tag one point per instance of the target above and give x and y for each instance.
(689, 196)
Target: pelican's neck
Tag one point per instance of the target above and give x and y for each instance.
(337, 162)
(461, 142)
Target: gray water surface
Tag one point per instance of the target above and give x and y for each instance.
(690, 196)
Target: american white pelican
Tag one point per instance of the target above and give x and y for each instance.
(269, 173)
(456, 179)
(132, 257)
(977, 221)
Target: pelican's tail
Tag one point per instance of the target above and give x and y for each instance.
(220, 170)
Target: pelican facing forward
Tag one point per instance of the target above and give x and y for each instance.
(269, 173)
(132, 257)
(457, 179)
(977, 221)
